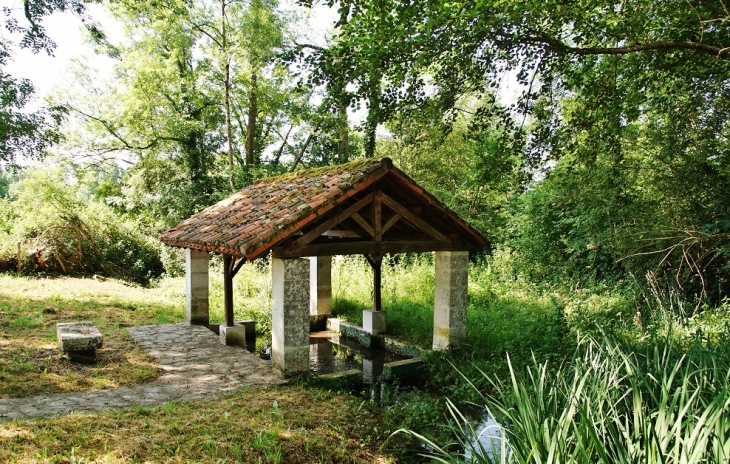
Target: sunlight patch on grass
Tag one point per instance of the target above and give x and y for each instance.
(30, 359)
(285, 424)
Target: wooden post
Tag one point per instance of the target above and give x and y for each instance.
(376, 262)
(377, 279)
(228, 288)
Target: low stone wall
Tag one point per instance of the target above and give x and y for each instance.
(373, 341)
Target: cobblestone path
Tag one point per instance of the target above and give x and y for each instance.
(195, 366)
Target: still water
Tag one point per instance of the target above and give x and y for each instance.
(329, 353)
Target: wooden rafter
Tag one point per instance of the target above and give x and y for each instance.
(377, 215)
(317, 231)
(363, 223)
(413, 219)
(390, 223)
(340, 233)
(363, 248)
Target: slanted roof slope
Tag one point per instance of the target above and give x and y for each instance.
(362, 202)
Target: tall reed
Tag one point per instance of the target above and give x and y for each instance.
(607, 405)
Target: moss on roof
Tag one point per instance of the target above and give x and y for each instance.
(358, 165)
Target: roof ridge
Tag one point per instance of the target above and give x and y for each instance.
(323, 170)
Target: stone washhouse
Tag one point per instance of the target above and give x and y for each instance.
(304, 218)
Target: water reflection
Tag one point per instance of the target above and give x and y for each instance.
(329, 353)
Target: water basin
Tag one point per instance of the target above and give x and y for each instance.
(330, 352)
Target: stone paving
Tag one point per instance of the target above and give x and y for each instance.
(195, 366)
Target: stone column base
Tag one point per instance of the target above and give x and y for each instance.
(232, 336)
(373, 322)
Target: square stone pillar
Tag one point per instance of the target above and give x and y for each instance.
(197, 308)
(373, 322)
(290, 316)
(449, 312)
(320, 285)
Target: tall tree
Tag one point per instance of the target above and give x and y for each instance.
(24, 133)
(627, 109)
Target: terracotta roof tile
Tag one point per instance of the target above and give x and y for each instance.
(261, 212)
(255, 219)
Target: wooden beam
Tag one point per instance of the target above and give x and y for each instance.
(408, 183)
(413, 219)
(341, 233)
(228, 288)
(363, 248)
(237, 267)
(390, 223)
(351, 224)
(377, 217)
(363, 223)
(327, 225)
(376, 261)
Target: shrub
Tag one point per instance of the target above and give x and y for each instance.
(61, 231)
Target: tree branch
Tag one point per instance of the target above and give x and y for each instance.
(717, 52)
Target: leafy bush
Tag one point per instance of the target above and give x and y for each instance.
(61, 231)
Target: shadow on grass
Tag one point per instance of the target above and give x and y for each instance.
(30, 359)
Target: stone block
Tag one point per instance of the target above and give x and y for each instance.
(250, 327)
(352, 331)
(346, 380)
(197, 307)
(373, 322)
(290, 315)
(79, 339)
(333, 324)
(450, 299)
(398, 347)
(402, 369)
(232, 336)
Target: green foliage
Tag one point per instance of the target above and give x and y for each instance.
(407, 293)
(474, 172)
(24, 133)
(609, 404)
(626, 143)
(251, 295)
(60, 230)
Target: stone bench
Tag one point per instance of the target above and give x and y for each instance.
(79, 339)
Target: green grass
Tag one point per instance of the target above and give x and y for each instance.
(607, 404)
(251, 294)
(538, 328)
(30, 359)
(283, 424)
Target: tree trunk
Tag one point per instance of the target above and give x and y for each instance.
(227, 94)
(343, 129)
(373, 117)
(252, 115)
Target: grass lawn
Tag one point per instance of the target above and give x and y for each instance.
(30, 360)
(297, 424)
(290, 424)
(274, 425)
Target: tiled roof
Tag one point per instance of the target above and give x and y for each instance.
(257, 218)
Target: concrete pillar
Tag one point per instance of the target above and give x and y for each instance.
(449, 313)
(373, 322)
(196, 287)
(320, 285)
(290, 315)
